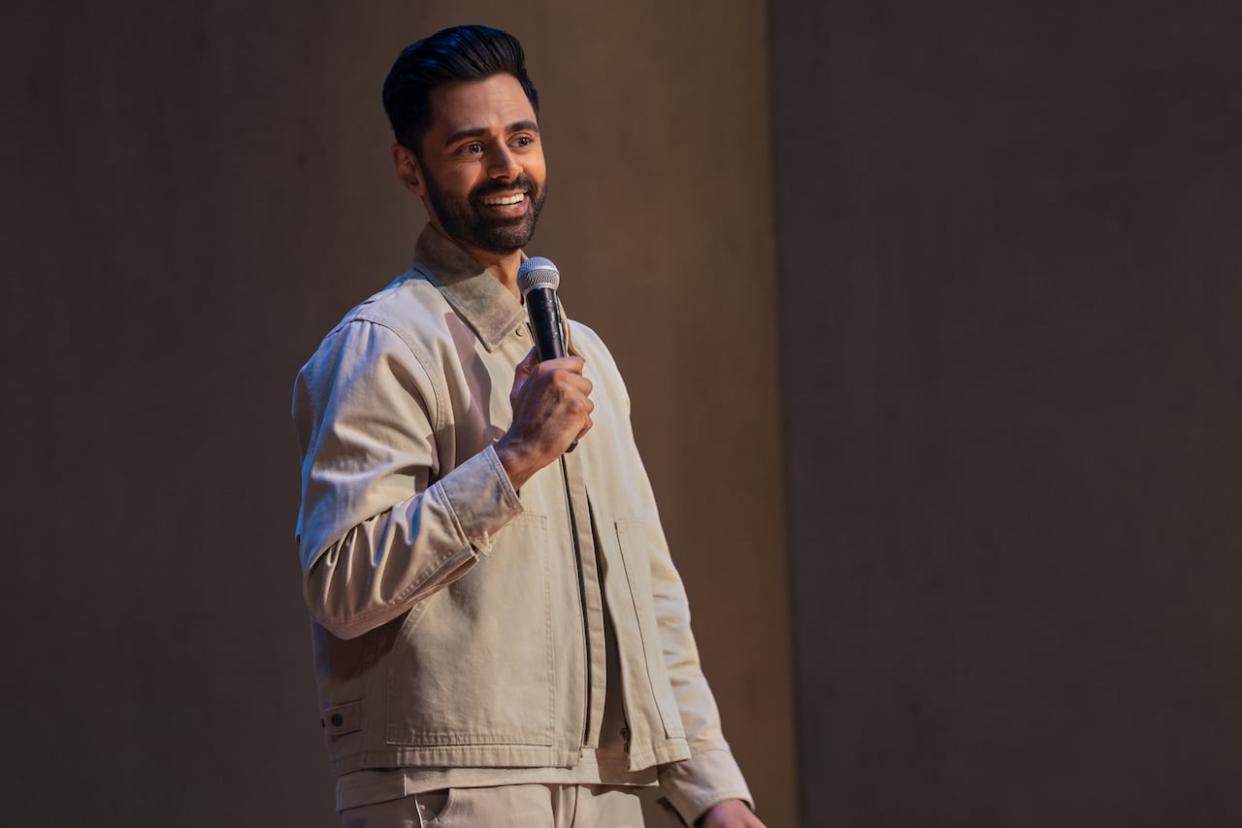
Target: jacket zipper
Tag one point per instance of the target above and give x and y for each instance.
(586, 636)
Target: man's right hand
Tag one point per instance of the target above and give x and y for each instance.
(551, 408)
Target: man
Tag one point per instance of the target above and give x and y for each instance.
(500, 635)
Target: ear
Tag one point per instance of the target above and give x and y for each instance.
(408, 171)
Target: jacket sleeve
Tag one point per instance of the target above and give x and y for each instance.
(379, 527)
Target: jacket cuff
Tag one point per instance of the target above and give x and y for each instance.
(701, 781)
(481, 498)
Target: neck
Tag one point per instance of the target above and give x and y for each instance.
(502, 266)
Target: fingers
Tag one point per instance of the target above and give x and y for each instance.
(528, 364)
(577, 382)
(522, 373)
(573, 364)
(566, 372)
(552, 405)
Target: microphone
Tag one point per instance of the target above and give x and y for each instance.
(538, 280)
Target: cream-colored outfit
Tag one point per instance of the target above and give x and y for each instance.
(459, 625)
(508, 806)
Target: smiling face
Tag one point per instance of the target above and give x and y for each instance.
(481, 174)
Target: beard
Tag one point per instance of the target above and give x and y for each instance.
(464, 220)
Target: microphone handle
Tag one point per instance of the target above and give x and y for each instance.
(545, 323)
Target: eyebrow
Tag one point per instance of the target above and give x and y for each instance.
(516, 126)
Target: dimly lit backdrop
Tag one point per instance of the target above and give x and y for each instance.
(928, 313)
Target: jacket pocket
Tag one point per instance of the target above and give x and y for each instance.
(474, 667)
(342, 719)
(634, 538)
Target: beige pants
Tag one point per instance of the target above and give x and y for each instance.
(519, 806)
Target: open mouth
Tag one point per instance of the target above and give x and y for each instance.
(506, 200)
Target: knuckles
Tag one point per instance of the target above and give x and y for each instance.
(554, 400)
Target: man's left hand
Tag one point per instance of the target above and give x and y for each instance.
(732, 813)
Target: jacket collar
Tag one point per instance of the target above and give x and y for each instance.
(489, 309)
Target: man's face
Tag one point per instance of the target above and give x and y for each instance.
(483, 171)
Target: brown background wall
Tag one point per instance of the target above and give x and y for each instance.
(193, 194)
(1008, 237)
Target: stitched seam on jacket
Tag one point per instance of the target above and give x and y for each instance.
(401, 597)
(452, 511)
(629, 582)
(498, 467)
(437, 418)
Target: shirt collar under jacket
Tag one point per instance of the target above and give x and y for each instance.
(486, 305)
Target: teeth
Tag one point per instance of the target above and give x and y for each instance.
(499, 201)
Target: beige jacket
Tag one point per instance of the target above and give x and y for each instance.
(459, 623)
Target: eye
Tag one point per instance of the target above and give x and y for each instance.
(472, 148)
(523, 141)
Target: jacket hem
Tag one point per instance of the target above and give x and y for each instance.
(673, 750)
(480, 756)
(496, 756)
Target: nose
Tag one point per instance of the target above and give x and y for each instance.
(502, 165)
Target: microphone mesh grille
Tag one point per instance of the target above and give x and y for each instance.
(537, 272)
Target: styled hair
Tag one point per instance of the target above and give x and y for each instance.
(461, 53)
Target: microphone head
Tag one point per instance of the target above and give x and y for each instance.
(537, 272)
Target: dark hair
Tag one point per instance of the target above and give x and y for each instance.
(457, 54)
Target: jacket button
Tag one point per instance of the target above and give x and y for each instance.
(337, 720)
(520, 331)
